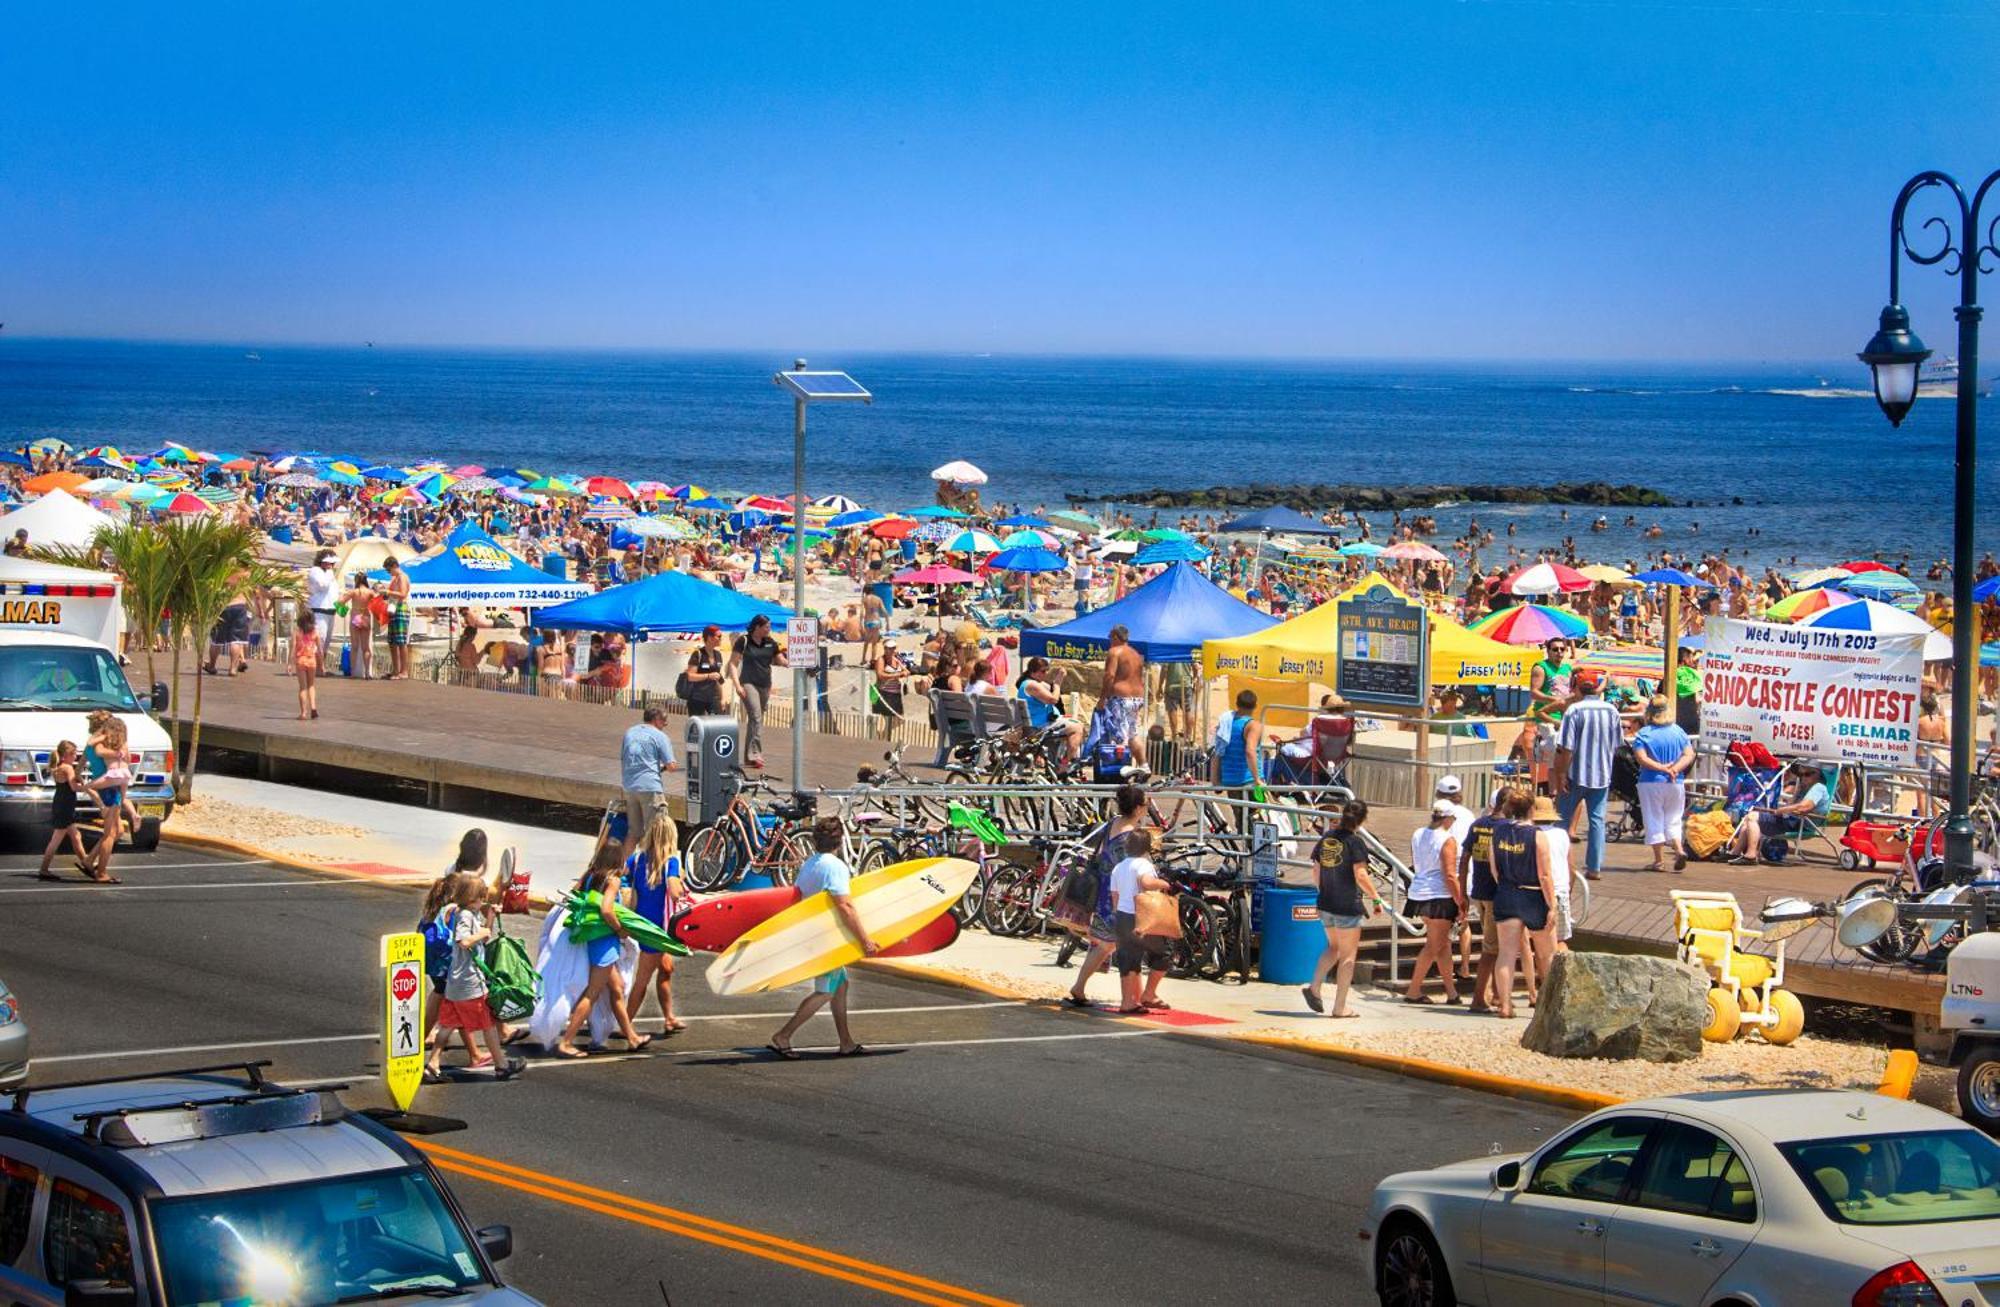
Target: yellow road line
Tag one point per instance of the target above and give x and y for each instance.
(705, 1229)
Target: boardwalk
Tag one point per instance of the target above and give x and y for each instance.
(458, 742)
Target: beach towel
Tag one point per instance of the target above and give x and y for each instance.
(565, 969)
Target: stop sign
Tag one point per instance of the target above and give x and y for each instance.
(404, 984)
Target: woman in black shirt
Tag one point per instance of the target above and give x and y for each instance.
(1521, 893)
(750, 671)
(704, 674)
(1342, 858)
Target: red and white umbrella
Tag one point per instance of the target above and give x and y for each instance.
(186, 505)
(1546, 579)
(1413, 551)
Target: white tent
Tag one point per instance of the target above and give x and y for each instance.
(57, 518)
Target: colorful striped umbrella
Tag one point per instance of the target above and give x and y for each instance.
(1888, 587)
(1626, 661)
(216, 494)
(1868, 615)
(1545, 579)
(972, 542)
(1531, 624)
(1801, 604)
(1028, 540)
(1820, 576)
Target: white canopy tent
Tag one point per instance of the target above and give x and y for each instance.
(57, 518)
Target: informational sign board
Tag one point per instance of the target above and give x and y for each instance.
(1382, 652)
(802, 643)
(1811, 692)
(1263, 850)
(403, 1016)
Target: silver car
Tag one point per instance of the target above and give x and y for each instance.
(214, 1185)
(13, 1040)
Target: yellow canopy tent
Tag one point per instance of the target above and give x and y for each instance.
(1301, 651)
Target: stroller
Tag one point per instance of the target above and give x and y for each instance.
(1629, 823)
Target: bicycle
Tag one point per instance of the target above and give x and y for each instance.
(743, 840)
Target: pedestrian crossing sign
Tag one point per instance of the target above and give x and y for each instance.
(403, 1016)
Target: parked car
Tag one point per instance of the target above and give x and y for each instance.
(215, 1185)
(1752, 1198)
(13, 1040)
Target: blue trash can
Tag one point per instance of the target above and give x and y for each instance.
(1291, 939)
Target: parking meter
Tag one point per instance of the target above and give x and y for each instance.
(712, 767)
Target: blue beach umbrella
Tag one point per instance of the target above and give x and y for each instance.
(1359, 549)
(335, 476)
(1021, 520)
(853, 518)
(1028, 558)
(1888, 587)
(1672, 576)
(1170, 551)
(937, 510)
(1986, 589)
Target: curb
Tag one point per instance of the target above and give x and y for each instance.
(1420, 1069)
(223, 844)
(1900, 1075)
(1416, 1068)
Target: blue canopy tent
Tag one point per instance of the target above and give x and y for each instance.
(1280, 518)
(472, 568)
(671, 602)
(1166, 620)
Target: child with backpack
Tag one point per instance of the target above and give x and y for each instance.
(469, 920)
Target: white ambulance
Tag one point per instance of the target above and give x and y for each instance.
(59, 637)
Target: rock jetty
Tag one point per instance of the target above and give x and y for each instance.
(1264, 494)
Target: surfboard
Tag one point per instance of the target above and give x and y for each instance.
(714, 924)
(808, 939)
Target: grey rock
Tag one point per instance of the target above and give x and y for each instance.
(1619, 1006)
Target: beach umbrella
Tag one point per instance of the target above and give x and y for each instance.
(853, 518)
(763, 504)
(185, 505)
(607, 510)
(1314, 554)
(101, 461)
(217, 495)
(1986, 589)
(138, 492)
(1359, 549)
(1866, 565)
(937, 511)
(1531, 624)
(972, 542)
(1154, 535)
(101, 486)
(475, 484)
(1413, 551)
(1989, 654)
(1608, 574)
(1672, 576)
(687, 493)
(240, 465)
(959, 473)
(1546, 579)
(1025, 539)
(814, 534)
(653, 528)
(1021, 520)
(895, 528)
(1170, 551)
(50, 445)
(383, 472)
(1118, 549)
(607, 488)
(298, 481)
(1027, 558)
(551, 486)
(1820, 576)
(469, 470)
(1888, 587)
(1076, 521)
(336, 476)
(48, 481)
(432, 484)
(936, 574)
(1868, 615)
(175, 452)
(835, 504)
(936, 533)
(1801, 604)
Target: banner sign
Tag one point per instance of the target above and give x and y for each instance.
(1802, 691)
(1383, 649)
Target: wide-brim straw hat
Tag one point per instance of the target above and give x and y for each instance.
(1544, 809)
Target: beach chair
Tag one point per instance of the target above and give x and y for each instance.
(956, 721)
(1815, 826)
(1744, 987)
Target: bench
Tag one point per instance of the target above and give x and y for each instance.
(962, 718)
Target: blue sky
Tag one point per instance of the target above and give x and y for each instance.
(1410, 178)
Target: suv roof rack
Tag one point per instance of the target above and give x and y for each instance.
(251, 1071)
(205, 1118)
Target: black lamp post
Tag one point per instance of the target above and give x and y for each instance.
(1894, 356)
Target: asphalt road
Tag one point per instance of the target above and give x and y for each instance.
(989, 1152)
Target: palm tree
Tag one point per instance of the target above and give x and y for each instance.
(208, 561)
(137, 553)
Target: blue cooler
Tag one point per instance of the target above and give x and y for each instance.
(1291, 939)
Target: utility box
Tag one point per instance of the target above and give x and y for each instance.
(713, 768)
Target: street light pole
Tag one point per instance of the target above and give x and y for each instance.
(1895, 356)
(801, 677)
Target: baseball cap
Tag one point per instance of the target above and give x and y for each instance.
(1449, 785)
(1443, 808)
(1589, 679)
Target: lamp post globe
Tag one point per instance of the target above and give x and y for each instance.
(1894, 355)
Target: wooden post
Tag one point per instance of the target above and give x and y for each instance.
(1672, 648)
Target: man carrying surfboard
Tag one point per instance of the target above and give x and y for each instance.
(825, 873)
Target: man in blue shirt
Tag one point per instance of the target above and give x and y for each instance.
(643, 757)
(825, 873)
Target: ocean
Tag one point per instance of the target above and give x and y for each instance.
(1771, 463)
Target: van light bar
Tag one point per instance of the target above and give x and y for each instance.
(61, 591)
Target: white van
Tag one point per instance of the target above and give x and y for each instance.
(59, 628)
